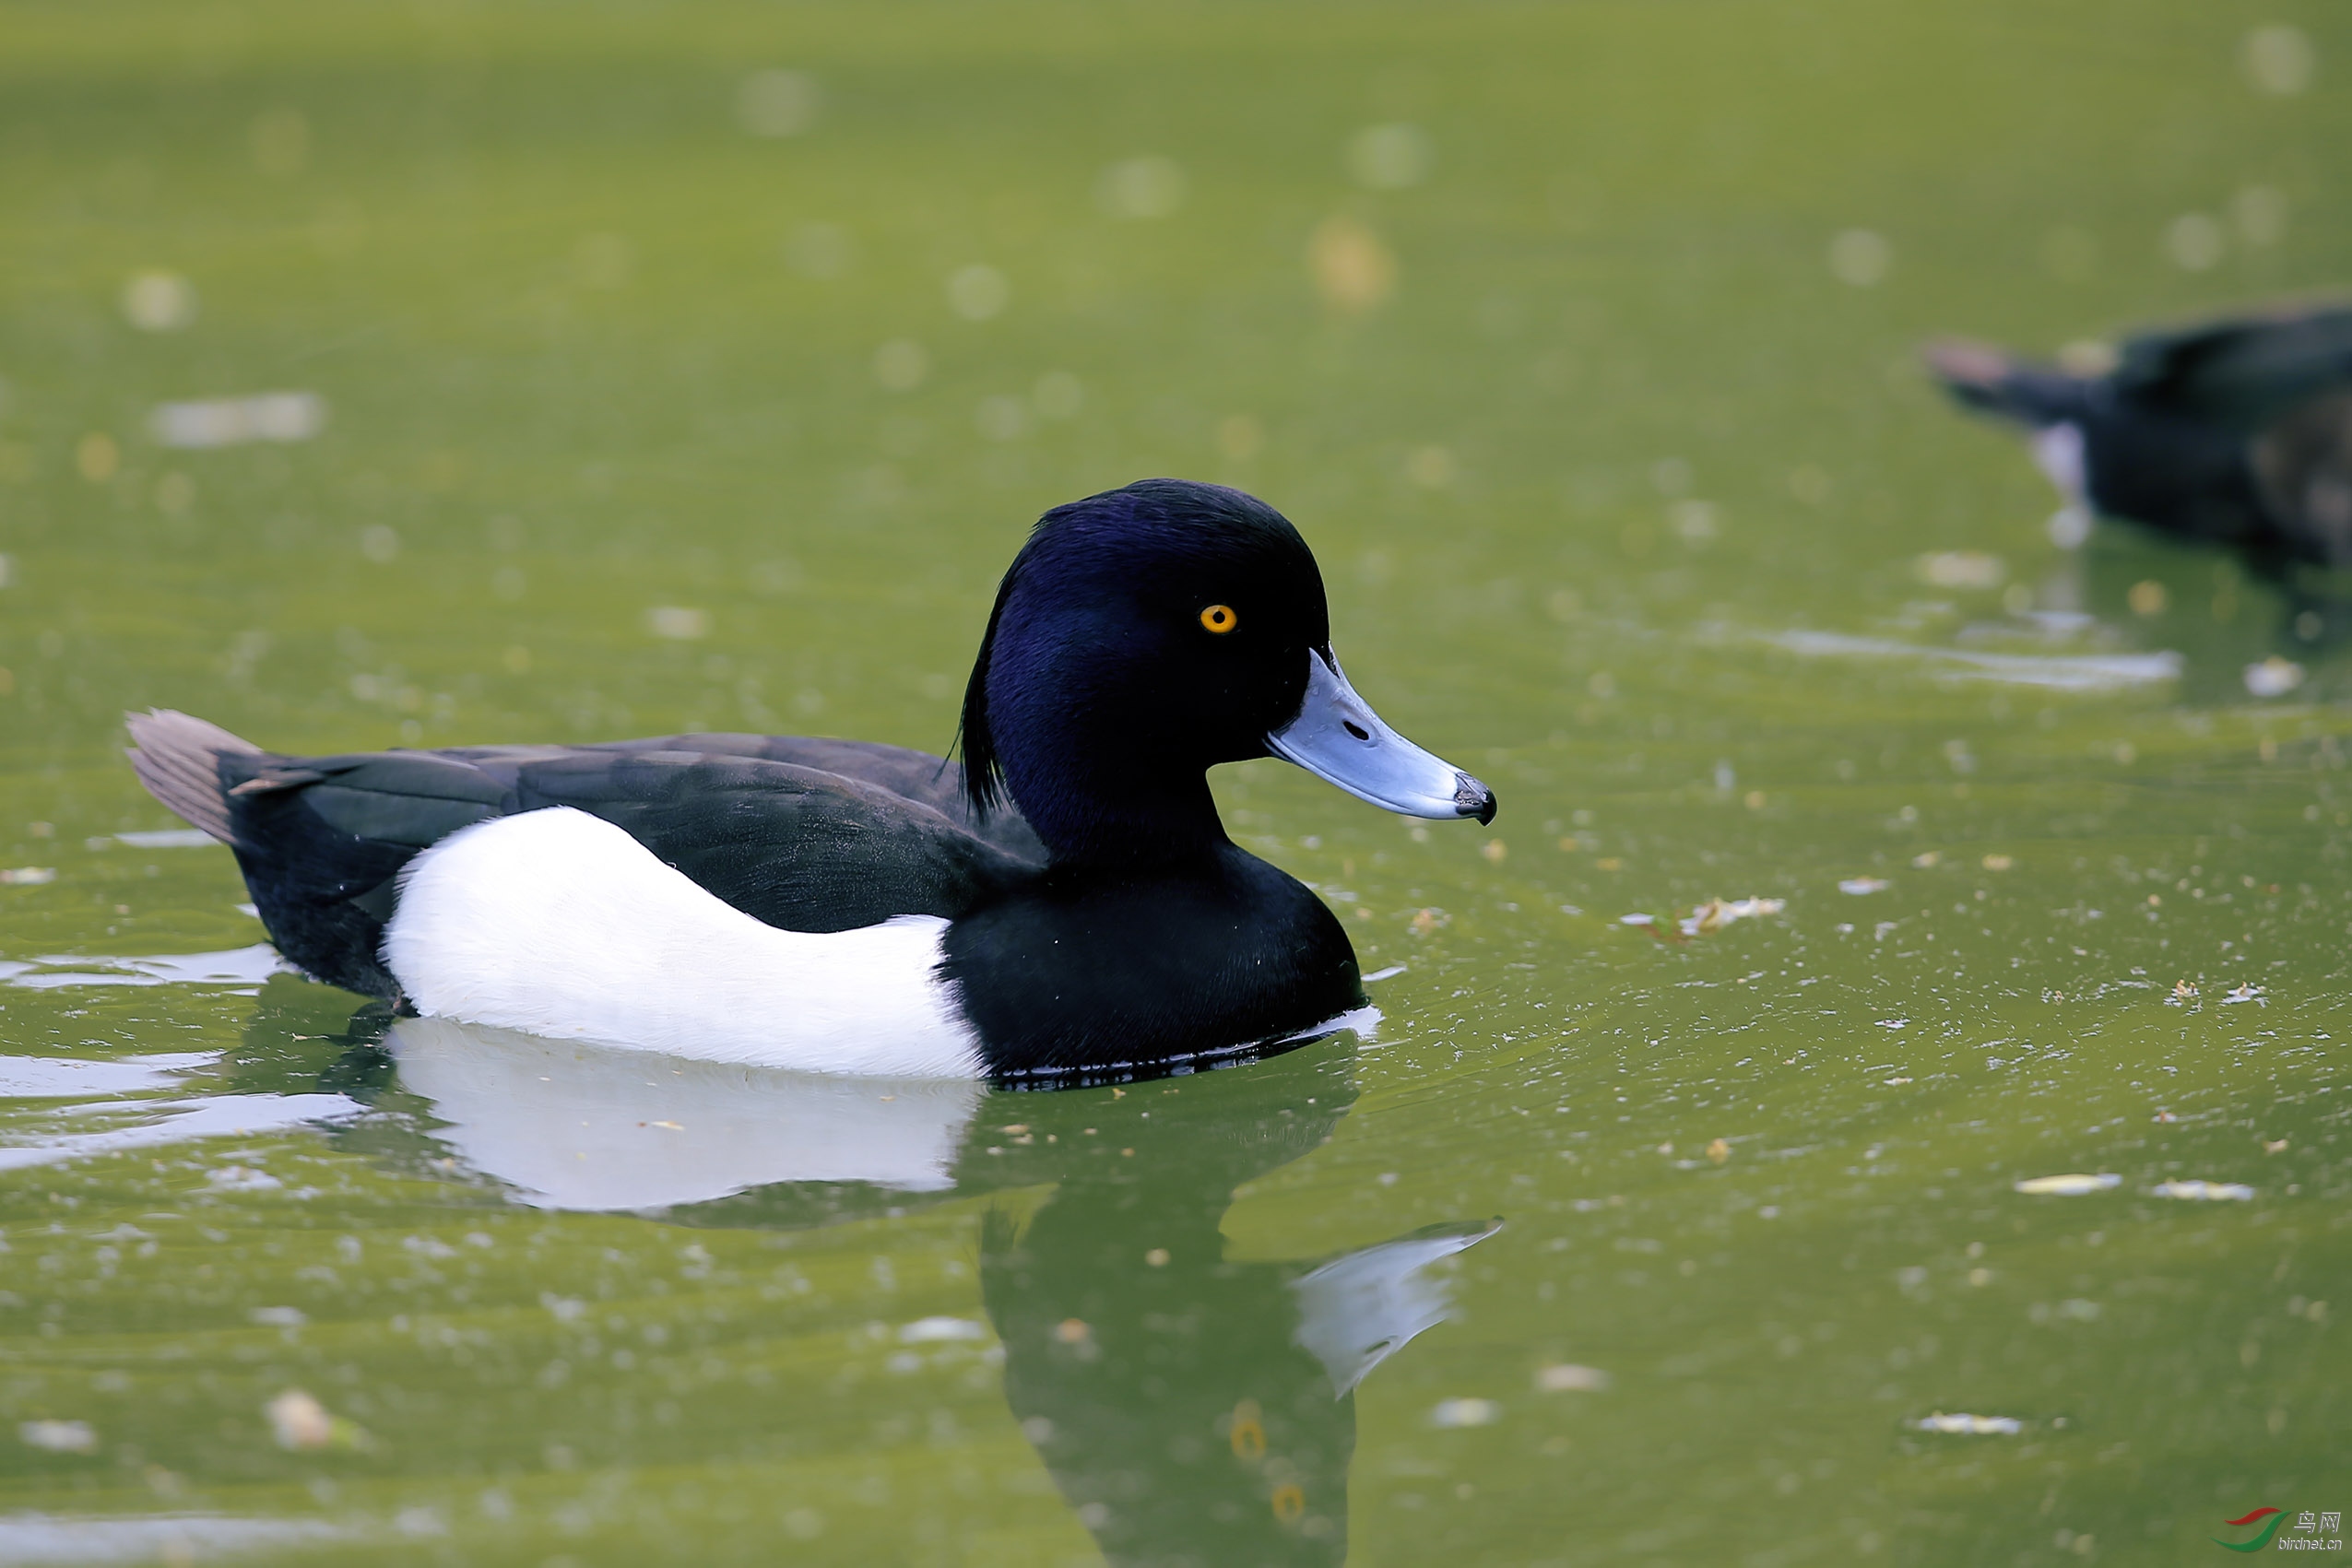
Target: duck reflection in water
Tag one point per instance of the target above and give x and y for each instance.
(1193, 1408)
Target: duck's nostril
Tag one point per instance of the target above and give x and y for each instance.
(1356, 729)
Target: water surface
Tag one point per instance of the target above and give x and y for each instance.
(570, 375)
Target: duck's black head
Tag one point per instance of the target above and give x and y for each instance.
(1143, 636)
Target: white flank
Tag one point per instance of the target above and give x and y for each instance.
(558, 923)
(585, 1126)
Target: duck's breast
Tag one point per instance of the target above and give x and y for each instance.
(560, 924)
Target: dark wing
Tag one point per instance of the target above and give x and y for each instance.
(322, 840)
(912, 775)
(2241, 374)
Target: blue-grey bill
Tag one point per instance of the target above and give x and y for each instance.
(1341, 740)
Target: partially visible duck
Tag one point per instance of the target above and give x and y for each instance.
(1064, 904)
(2235, 432)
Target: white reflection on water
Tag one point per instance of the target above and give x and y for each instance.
(234, 966)
(166, 1538)
(178, 1121)
(66, 1078)
(1356, 1311)
(2058, 672)
(583, 1127)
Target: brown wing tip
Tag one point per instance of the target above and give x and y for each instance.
(175, 755)
(1963, 362)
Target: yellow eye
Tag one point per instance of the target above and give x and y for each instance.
(1219, 618)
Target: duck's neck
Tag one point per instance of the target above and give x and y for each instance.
(1119, 819)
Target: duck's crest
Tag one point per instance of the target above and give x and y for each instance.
(983, 771)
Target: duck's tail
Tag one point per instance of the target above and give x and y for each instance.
(1990, 381)
(177, 757)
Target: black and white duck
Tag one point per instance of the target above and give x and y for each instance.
(1063, 903)
(2235, 432)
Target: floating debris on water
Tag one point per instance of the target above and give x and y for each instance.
(2182, 992)
(1998, 863)
(2203, 1192)
(302, 1423)
(1860, 885)
(2072, 1184)
(28, 875)
(231, 421)
(1718, 1150)
(1465, 1412)
(940, 1330)
(279, 1316)
(1926, 860)
(60, 1437)
(1715, 913)
(2164, 1117)
(2247, 993)
(1961, 569)
(2274, 676)
(168, 838)
(1568, 1378)
(1967, 1425)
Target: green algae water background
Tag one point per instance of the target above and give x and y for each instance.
(442, 372)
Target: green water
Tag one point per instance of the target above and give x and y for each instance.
(1622, 492)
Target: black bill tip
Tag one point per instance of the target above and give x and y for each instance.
(1473, 799)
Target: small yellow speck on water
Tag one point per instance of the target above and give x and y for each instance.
(1362, 913)
(1665, 1149)
(1126, 1154)
(673, 1126)
(2272, 1146)
(1610, 863)
(1998, 863)
(1118, 1093)
(1492, 850)
(1754, 801)
(1718, 1151)
(1425, 921)
(1248, 1435)
(1923, 862)
(97, 457)
(1570, 845)
(2156, 900)
(1073, 1331)
(1157, 1257)
(1014, 1129)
